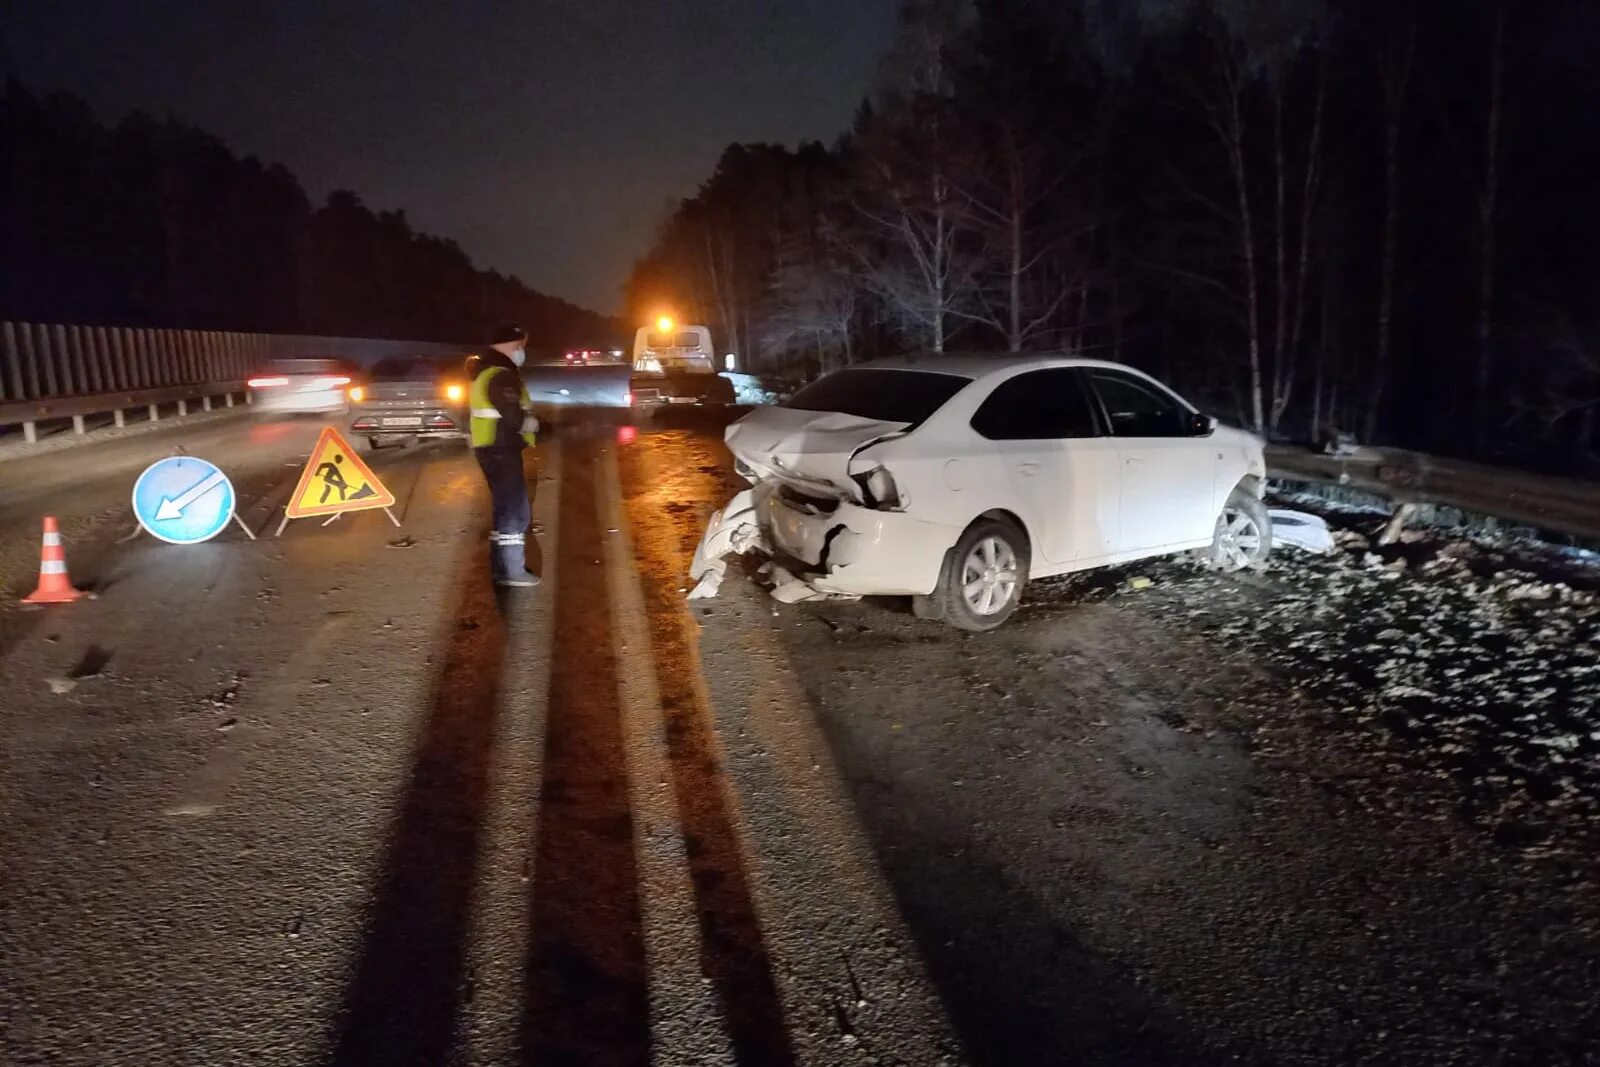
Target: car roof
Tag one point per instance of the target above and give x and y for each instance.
(978, 365)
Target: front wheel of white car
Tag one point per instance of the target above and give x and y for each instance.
(1243, 537)
(981, 581)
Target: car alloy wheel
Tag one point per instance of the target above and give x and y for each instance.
(1238, 539)
(989, 576)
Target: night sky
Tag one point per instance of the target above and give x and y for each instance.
(547, 137)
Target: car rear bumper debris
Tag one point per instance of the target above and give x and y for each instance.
(822, 549)
(859, 551)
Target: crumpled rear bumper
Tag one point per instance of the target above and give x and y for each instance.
(861, 551)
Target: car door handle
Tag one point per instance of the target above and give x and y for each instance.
(1028, 468)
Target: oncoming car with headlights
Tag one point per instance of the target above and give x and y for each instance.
(956, 480)
(404, 398)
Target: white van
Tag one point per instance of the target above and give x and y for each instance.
(682, 350)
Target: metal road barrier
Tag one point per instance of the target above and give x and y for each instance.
(58, 371)
(1563, 505)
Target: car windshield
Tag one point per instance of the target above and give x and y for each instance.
(409, 369)
(881, 394)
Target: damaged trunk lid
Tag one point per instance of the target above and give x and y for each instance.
(807, 450)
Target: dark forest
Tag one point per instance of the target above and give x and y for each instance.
(1366, 218)
(154, 223)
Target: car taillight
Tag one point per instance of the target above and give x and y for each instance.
(357, 393)
(266, 383)
(443, 422)
(880, 489)
(365, 423)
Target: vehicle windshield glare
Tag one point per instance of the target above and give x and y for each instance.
(880, 393)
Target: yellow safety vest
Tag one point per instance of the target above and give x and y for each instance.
(485, 420)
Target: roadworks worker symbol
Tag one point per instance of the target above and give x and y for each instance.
(336, 480)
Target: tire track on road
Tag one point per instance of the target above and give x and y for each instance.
(586, 998)
(687, 1022)
(852, 977)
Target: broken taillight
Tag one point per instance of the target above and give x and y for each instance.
(880, 489)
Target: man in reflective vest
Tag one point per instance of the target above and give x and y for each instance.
(501, 429)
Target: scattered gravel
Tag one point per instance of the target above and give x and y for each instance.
(1472, 660)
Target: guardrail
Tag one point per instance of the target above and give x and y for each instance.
(1563, 505)
(58, 371)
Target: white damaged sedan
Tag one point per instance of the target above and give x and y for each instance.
(956, 479)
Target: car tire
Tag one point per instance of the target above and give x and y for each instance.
(981, 581)
(1243, 536)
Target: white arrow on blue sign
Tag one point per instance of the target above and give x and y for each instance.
(183, 499)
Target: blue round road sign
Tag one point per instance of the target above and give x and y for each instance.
(183, 499)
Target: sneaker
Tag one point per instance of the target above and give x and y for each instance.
(526, 581)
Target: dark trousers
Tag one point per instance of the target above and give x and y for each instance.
(508, 492)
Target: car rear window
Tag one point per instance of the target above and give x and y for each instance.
(306, 366)
(880, 393)
(686, 339)
(410, 368)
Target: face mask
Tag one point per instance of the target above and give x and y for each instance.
(519, 356)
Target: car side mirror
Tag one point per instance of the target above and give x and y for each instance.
(1201, 424)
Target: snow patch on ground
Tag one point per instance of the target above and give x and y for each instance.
(748, 389)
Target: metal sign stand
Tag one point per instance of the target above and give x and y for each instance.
(335, 517)
(139, 529)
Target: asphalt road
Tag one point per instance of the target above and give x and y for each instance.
(326, 798)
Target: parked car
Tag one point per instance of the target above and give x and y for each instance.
(403, 398)
(301, 386)
(956, 480)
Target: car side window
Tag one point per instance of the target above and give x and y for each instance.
(1137, 408)
(1038, 405)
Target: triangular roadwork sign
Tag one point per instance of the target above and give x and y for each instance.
(336, 480)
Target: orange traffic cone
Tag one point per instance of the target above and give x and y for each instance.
(54, 585)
